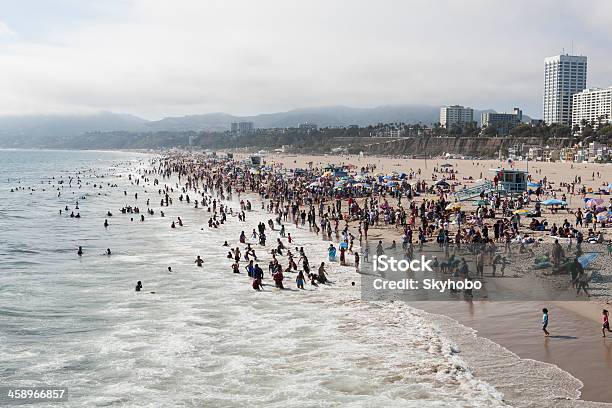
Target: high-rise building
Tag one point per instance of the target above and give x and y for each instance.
(242, 128)
(593, 106)
(502, 122)
(564, 75)
(455, 115)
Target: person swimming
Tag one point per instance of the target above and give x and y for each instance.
(108, 251)
(80, 251)
(138, 286)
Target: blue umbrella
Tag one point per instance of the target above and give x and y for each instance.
(534, 185)
(586, 259)
(553, 201)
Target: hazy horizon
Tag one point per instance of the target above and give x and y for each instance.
(157, 59)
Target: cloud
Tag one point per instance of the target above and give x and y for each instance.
(194, 56)
(5, 31)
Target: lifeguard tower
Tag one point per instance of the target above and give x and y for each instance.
(509, 182)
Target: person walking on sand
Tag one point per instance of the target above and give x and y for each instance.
(606, 323)
(545, 322)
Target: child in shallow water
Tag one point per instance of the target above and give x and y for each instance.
(545, 322)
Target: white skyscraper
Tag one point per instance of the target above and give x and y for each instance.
(564, 75)
(593, 105)
(455, 115)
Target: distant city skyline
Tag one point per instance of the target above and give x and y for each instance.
(155, 59)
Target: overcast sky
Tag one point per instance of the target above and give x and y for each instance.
(158, 58)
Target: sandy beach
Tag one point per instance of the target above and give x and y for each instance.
(575, 345)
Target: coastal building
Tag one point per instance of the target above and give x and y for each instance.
(598, 152)
(552, 155)
(242, 128)
(564, 75)
(536, 153)
(592, 106)
(502, 122)
(566, 154)
(581, 155)
(455, 115)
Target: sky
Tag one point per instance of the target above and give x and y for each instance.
(169, 58)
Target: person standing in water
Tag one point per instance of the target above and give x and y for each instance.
(138, 286)
(545, 322)
(606, 323)
(299, 280)
(80, 251)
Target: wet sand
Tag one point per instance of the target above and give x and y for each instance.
(575, 344)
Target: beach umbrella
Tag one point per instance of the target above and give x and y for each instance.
(343, 245)
(391, 183)
(592, 202)
(553, 201)
(586, 259)
(446, 165)
(522, 211)
(533, 185)
(314, 184)
(364, 185)
(604, 216)
(453, 206)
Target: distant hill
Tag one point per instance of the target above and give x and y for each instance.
(325, 116)
(322, 116)
(61, 130)
(45, 130)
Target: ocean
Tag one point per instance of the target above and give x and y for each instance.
(204, 338)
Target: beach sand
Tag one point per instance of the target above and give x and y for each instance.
(576, 345)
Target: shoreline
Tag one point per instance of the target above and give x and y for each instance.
(486, 333)
(583, 315)
(472, 339)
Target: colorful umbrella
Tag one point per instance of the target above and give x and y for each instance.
(453, 206)
(553, 201)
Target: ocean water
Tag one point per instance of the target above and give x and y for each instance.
(204, 338)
